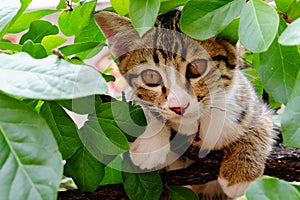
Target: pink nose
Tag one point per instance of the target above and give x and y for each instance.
(179, 110)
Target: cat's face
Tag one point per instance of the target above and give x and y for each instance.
(169, 72)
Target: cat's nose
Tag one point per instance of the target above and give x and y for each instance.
(179, 110)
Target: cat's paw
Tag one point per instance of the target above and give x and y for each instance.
(148, 157)
(210, 191)
(235, 190)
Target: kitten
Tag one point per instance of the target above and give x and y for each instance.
(191, 87)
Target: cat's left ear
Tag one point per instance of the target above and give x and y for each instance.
(118, 30)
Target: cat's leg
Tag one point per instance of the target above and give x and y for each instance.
(243, 162)
(150, 150)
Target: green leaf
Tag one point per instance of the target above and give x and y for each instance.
(142, 186)
(63, 128)
(86, 171)
(294, 10)
(283, 5)
(166, 6)
(113, 174)
(297, 187)
(278, 69)
(290, 118)
(83, 105)
(78, 47)
(35, 50)
(230, 33)
(291, 36)
(38, 30)
(29, 160)
(130, 119)
(258, 26)
(90, 33)
(10, 46)
(51, 42)
(10, 11)
(107, 78)
(61, 5)
(266, 188)
(102, 136)
(81, 16)
(24, 21)
(49, 78)
(64, 23)
(203, 19)
(120, 6)
(143, 14)
(182, 193)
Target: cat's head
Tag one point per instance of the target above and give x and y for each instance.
(169, 71)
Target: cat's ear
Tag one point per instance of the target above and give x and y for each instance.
(118, 30)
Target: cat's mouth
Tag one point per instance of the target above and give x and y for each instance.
(180, 110)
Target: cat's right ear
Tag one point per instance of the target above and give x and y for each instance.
(118, 30)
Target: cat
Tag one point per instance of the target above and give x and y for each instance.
(191, 87)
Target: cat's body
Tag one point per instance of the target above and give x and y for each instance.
(194, 88)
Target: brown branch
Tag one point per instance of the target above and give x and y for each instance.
(283, 163)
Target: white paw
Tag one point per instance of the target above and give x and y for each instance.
(148, 157)
(235, 190)
(150, 149)
(209, 191)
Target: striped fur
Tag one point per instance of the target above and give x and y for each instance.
(220, 106)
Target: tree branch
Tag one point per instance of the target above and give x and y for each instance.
(283, 163)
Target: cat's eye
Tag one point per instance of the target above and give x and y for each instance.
(151, 78)
(196, 68)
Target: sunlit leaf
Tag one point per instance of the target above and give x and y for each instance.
(278, 69)
(24, 21)
(64, 22)
(266, 188)
(258, 25)
(291, 36)
(10, 46)
(120, 6)
(283, 5)
(166, 6)
(143, 14)
(202, 19)
(51, 42)
(38, 30)
(35, 50)
(49, 78)
(10, 11)
(78, 47)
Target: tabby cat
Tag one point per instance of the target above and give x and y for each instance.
(194, 88)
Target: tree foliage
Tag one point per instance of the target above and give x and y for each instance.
(42, 76)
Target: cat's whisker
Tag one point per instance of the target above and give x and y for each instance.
(219, 108)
